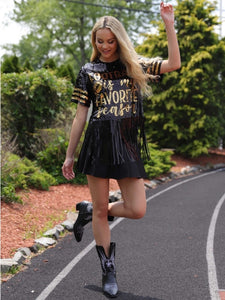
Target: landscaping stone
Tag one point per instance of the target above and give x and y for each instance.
(6, 264)
(164, 179)
(156, 182)
(150, 184)
(35, 248)
(45, 241)
(60, 228)
(173, 175)
(71, 216)
(54, 233)
(25, 251)
(194, 169)
(116, 194)
(218, 166)
(68, 225)
(112, 198)
(19, 257)
(184, 170)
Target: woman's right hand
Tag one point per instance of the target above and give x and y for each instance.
(67, 169)
(167, 13)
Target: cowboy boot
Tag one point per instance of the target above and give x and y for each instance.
(85, 209)
(109, 283)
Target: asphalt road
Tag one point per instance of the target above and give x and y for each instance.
(176, 252)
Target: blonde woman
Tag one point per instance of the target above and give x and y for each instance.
(114, 82)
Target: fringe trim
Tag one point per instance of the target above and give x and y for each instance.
(114, 141)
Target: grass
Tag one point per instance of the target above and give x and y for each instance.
(32, 229)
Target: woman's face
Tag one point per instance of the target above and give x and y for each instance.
(107, 45)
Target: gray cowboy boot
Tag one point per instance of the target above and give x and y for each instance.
(109, 283)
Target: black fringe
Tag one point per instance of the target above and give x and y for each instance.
(114, 142)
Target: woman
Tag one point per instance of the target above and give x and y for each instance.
(114, 82)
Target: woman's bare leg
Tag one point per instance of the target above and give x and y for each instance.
(134, 200)
(133, 205)
(99, 189)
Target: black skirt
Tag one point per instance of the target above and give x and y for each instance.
(133, 169)
(111, 150)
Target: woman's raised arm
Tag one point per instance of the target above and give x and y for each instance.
(173, 62)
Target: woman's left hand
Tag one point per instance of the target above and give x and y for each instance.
(167, 14)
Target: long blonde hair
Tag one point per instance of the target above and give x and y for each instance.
(127, 53)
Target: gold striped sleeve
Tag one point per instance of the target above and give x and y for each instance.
(154, 67)
(80, 96)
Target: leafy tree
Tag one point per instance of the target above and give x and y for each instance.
(49, 64)
(27, 66)
(187, 109)
(62, 28)
(30, 101)
(67, 72)
(11, 64)
(34, 47)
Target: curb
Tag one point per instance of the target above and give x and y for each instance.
(51, 236)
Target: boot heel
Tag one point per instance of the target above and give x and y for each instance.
(78, 206)
(110, 218)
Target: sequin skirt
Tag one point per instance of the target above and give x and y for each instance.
(111, 149)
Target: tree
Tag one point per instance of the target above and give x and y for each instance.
(61, 28)
(187, 109)
(67, 72)
(27, 66)
(49, 64)
(11, 64)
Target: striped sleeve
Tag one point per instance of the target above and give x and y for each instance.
(154, 67)
(81, 89)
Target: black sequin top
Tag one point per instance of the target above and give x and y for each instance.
(115, 136)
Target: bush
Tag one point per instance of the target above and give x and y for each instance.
(159, 163)
(9, 194)
(31, 101)
(41, 180)
(21, 173)
(52, 157)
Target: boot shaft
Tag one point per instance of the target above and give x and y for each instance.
(107, 263)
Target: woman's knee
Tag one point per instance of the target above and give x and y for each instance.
(133, 193)
(100, 211)
(136, 210)
(139, 212)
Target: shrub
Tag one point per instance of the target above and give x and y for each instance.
(52, 157)
(159, 163)
(21, 173)
(41, 180)
(9, 194)
(31, 101)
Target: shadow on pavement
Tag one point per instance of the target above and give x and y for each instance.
(121, 294)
